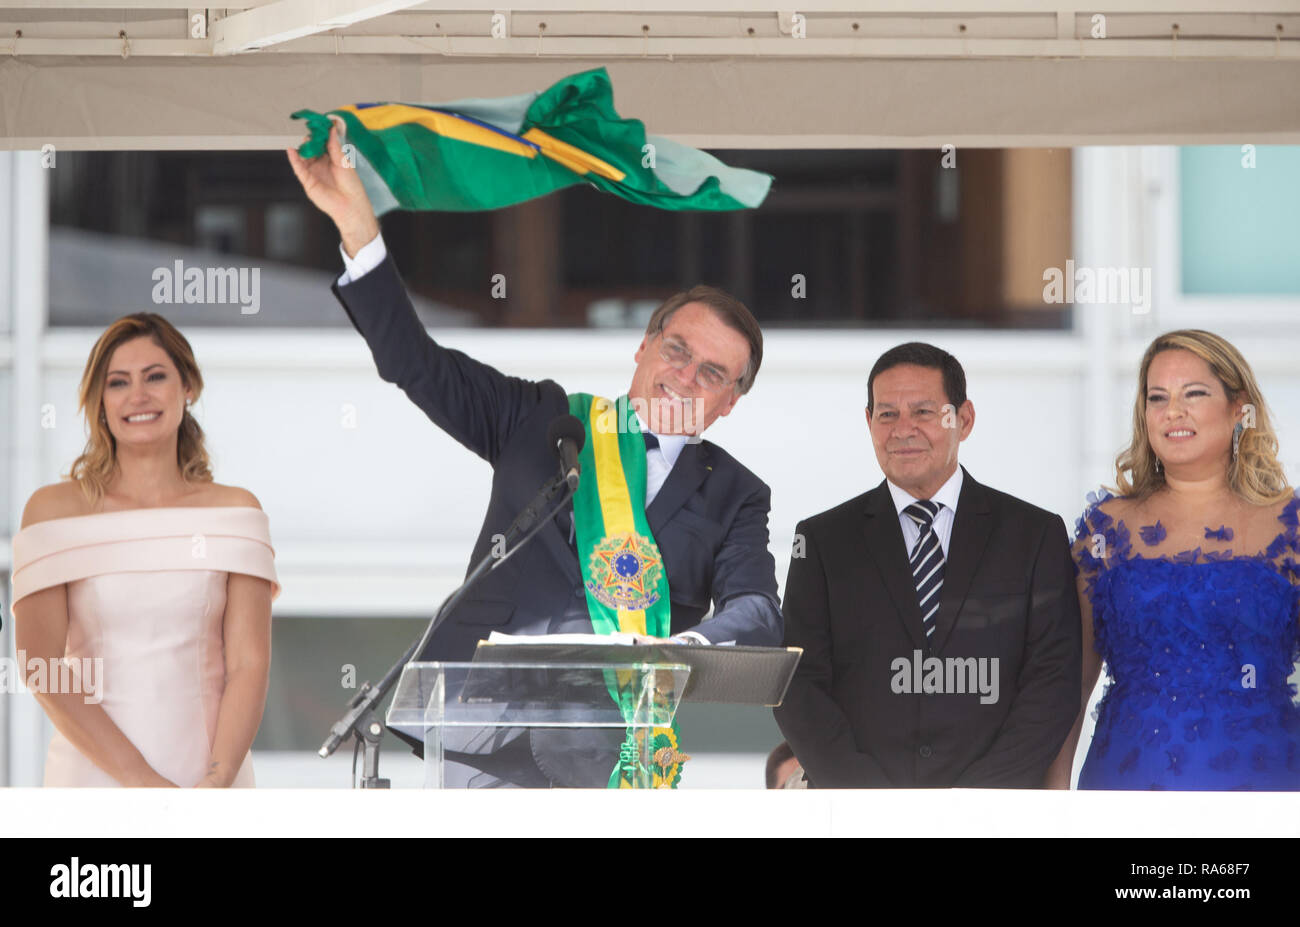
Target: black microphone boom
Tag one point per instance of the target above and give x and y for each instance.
(567, 437)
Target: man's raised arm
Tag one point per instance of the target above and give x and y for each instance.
(473, 402)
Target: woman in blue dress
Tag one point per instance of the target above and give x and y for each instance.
(1189, 586)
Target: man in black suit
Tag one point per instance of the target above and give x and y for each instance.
(937, 616)
(708, 514)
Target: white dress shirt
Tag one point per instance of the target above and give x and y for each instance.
(369, 256)
(659, 460)
(948, 494)
(659, 463)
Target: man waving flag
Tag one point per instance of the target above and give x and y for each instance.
(667, 527)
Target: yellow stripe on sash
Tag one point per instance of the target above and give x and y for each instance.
(615, 502)
(396, 114)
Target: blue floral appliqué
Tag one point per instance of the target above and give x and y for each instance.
(1152, 534)
(1176, 633)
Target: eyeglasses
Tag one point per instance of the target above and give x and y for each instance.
(708, 376)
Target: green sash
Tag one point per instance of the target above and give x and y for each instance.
(622, 570)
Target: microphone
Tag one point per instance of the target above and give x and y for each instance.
(567, 437)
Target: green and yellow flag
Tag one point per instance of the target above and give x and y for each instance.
(472, 155)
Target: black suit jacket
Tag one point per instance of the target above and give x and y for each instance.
(709, 517)
(850, 603)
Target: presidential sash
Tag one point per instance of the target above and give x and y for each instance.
(622, 570)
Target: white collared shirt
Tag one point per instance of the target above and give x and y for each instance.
(947, 495)
(369, 256)
(659, 460)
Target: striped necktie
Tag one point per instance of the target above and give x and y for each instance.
(926, 561)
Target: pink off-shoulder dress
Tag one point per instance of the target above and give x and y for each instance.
(147, 595)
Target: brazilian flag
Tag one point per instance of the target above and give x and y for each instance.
(474, 155)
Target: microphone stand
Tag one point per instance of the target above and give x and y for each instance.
(360, 721)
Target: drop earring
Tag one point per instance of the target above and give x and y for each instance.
(1236, 439)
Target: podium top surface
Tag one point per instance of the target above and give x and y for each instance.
(727, 674)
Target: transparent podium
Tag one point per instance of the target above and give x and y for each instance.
(451, 705)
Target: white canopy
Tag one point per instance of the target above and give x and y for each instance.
(156, 74)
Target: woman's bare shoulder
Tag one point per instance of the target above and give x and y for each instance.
(65, 500)
(57, 500)
(220, 494)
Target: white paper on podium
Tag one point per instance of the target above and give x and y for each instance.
(618, 637)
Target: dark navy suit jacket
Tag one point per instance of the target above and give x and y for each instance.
(1008, 594)
(709, 517)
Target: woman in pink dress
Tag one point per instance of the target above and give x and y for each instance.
(141, 565)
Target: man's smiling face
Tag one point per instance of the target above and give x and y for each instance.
(675, 401)
(914, 428)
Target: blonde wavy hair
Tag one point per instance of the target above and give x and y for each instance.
(1255, 473)
(98, 461)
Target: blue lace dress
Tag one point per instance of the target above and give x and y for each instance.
(1198, 646)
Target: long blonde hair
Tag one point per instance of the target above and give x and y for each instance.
(98, 461)
(1255, 473)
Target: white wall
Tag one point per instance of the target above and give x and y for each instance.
(378, 518)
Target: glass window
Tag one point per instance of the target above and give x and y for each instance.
(846, 238)
(1238, 217)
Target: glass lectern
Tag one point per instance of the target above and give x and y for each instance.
(450, 705)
